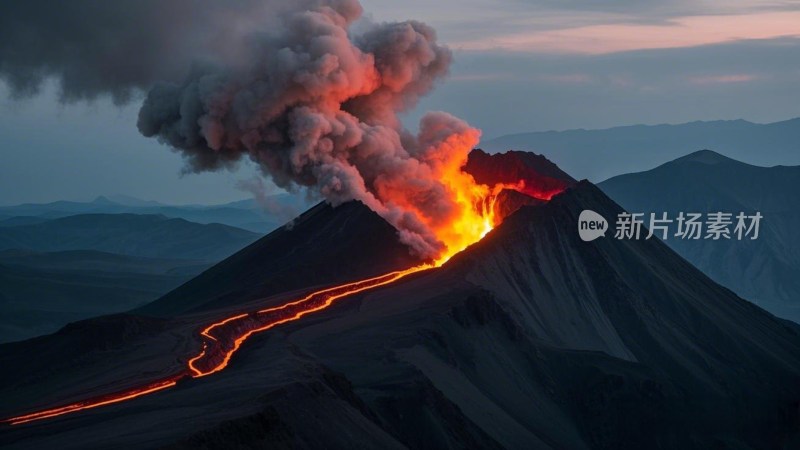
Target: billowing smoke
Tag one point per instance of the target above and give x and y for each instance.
(99, 47)
(316, 105)
(294, 87)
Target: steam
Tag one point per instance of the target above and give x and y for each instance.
(267, 199)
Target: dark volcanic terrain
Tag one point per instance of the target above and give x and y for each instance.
(529, 339)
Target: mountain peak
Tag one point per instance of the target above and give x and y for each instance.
(310, 251)
(103, 200)
(706, 156)
(128, 200)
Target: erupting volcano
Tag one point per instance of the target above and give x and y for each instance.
(437, 296)
(315, 105)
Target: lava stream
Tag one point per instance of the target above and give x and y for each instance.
(94, 403)
(219, 346)
(223, 338)
(223, 343)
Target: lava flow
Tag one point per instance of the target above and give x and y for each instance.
(230, 334)
(223, 338)
(99, 401)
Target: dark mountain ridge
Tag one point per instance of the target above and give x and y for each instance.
(153, 236)
(67, 269)
(766, 270)
(246, 214)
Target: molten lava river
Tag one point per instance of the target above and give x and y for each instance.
(223, 338)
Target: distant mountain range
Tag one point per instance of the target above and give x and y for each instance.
(246, 214)
(765, 271)
(153, 236)
(601, 154)
(42, 292)
(55, 271)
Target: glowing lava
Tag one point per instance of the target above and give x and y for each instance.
(99, 401)
(223, 338)
(221, 341)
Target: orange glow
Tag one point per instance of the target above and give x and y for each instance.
(208, 362)
(460, 212)
(215, 346)
(89, 404)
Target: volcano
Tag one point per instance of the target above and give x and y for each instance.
(530, 338)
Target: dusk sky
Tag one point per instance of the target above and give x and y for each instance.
(519, 66)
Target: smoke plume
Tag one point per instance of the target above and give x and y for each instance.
(315, 105)
(291, 86)
(97, 48)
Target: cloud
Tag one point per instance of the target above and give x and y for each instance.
(722, 79)
(577, 26)
(688, 31)
(752, 79)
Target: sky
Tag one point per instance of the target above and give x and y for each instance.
(520, 65)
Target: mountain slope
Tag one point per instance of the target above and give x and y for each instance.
(766, 270)
(324, 245)
(600, 154)
(531, 338)
(128, 234)
(536, 335)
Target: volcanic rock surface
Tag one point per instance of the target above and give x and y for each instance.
(542, 179)
(324, 245)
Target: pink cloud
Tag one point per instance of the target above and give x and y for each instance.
(681, 32)
(722, 79)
